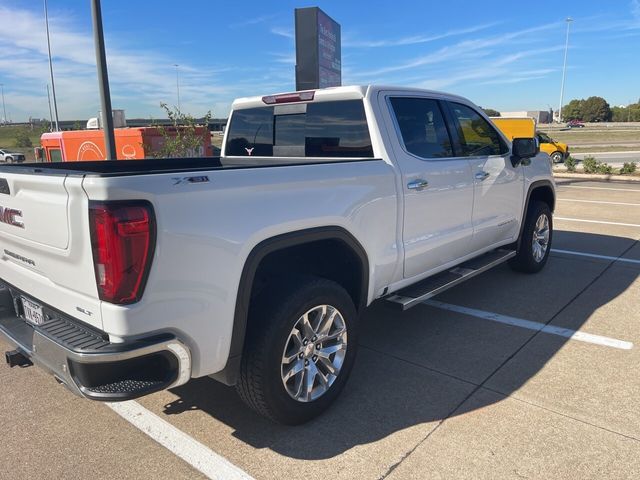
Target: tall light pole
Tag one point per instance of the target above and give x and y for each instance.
(53, 85)
(564, 69)
(50, 112)
(4, 108)
(103, 81)
(177, 84)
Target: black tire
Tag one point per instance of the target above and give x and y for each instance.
(525, 260)
(9, 159)
(272, 318)
(557, 157)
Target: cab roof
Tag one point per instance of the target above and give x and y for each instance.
(351, 92)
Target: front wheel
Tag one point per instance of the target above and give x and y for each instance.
(535, 243)
(300, 349)
(556, 157)
(9, 159)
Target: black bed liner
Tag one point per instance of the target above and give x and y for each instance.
(120, 168)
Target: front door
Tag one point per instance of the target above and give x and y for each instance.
(437, 186)
(499, 186)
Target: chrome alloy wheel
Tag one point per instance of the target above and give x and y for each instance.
(314, 353)
(540, 241)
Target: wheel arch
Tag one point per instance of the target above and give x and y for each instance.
(539, 190)
(278, 246)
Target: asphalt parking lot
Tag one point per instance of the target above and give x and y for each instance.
(506, 376)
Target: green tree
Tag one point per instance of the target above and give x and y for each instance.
(22, 139)
(45, 127)
(573, 110)
(491, 112)
(182, 139)
(630, 113)
(596, 109)
(77, 125)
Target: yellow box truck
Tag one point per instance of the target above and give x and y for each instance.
(526, 127)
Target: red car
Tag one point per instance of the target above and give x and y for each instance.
(575, 124)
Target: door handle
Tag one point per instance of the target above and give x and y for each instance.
(482, 175)
(417, 184)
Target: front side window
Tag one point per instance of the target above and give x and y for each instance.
(477, 136)
(543, 138)
(422, 127)
(323, 129)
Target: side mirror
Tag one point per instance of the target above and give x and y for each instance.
(39, 152)
(522, 149)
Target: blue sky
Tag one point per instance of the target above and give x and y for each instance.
(501, 54)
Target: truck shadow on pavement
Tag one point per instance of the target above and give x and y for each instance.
(416, 368)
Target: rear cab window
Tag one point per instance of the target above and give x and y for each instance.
(332, 129)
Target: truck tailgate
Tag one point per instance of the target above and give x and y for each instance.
(42, 205)
(45, 248)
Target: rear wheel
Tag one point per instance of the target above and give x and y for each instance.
(299, 351)
(535, 243)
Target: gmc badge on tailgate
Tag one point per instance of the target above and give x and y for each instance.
(11, 216)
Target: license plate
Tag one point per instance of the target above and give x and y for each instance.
(32, 312)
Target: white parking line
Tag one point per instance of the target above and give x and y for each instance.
(596, 221)
(598, 201)
(537, 326)
(560, 185)
(200, 457)
(593, 255)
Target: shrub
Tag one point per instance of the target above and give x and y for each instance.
(181, 139)
(605, 168)
(590, 164)
(570, 163)
(23, 140)
(627, 168)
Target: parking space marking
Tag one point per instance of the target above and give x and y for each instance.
(560, 185)
(566, 219)
(593, 255)
(199, 456)
(536, 326)
(598, 201)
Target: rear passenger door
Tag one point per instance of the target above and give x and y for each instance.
(499, 186)
(437, 186)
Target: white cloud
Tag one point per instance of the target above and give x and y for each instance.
(252, 21)
(461, 50)
(413, 40)
(283, 32)
(139, 79)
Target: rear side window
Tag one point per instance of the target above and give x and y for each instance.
(55, 155)
(477, 136)
(325, 129)
(422, 127)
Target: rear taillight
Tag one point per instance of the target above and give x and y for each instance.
(123, 237)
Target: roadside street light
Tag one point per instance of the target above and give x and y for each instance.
(4, 109)
(53, 85)
(564, 69)
(50, 112)
(177, 84)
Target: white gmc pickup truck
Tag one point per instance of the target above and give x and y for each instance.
(124, 278)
